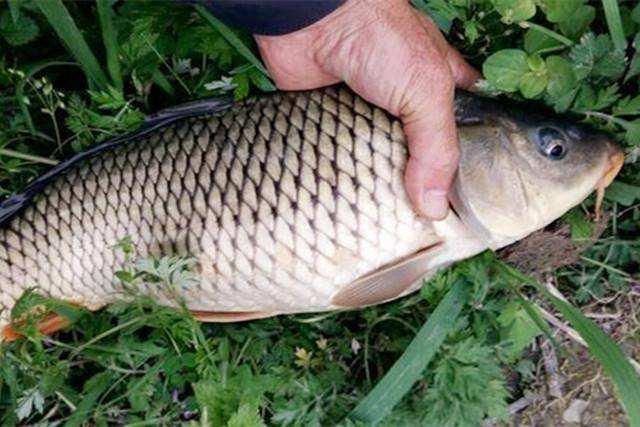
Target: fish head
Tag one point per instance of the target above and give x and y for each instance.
(519, 172)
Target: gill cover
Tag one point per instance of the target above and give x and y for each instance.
(488, 193)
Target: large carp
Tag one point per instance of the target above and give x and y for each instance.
(288, 203)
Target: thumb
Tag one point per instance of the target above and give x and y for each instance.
(429, 124)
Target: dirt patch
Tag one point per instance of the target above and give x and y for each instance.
(578, 377)
(570, 388)
(549, 249)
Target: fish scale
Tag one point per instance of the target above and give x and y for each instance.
(282, 201)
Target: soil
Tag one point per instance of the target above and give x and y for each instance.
(577, 376)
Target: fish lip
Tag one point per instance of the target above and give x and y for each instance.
(616, 160)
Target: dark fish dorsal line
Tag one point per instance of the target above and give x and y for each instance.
(15, 203)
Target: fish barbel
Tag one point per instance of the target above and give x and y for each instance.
(288, 203)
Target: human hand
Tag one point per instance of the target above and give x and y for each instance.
(396, 58)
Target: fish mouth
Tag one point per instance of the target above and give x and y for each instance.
(616, 160)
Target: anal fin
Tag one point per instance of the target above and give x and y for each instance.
(47, 326)
(385, 283)
(229, 316)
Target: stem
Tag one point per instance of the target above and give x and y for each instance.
(605, 266)
(56, 129)
(624, 123)
(106, 334)
(66, 400)
(29, 157)
(171, 70)
(562, 39)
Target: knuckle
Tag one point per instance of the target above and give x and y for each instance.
(429, 82)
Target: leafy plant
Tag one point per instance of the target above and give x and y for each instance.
(75, 74)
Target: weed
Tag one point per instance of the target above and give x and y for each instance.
(75, 74)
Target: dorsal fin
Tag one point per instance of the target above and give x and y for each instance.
(15, 203)
(188, 109)
(386, 283)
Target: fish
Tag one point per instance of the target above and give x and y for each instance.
(292, 202)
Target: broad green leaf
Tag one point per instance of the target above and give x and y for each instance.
(505, 68)
(562, 82)
(18, 32)
(612, 65)
(623, 193)
(471, 32)
(536, 41)
(408, 368)
(578, 22)
(64, 26)
(518, 328)
(597, 57)
(536, 63)
(581, 228)
(561, 10)
(533, 84)
(515, 10)
(441, 11)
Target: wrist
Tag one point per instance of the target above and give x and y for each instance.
(272, 17)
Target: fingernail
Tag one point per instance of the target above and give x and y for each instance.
(435, 204)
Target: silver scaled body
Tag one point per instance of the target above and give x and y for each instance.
(281, 201)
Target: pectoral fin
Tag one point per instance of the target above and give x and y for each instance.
(386, 283)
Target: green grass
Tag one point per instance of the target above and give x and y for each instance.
(78, 73)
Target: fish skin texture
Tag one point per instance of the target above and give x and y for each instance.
(281, 202)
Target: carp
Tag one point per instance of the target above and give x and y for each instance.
(288, 203)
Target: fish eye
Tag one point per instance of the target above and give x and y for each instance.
(552, 143)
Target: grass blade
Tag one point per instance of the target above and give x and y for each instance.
(59, 18)
(614, 363)
(408, 368)
(614, 22)
(110, 40)
(233, 40)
